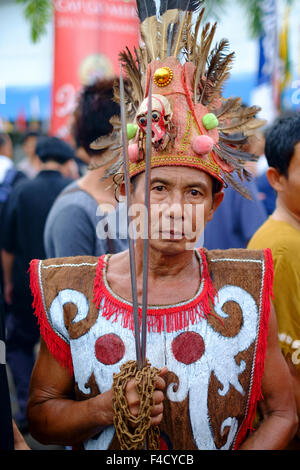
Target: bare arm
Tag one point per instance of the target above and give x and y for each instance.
(55, 417)
(278, 406)
(295, 373)
(7, 265)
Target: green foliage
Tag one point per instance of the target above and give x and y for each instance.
(38, 13)
(218, 8)
(254, 16)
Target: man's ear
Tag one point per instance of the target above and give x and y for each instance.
(275, 179)
(218, 198)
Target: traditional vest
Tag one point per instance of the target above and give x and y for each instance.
(213, 345)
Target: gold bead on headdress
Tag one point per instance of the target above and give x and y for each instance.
(163, 76)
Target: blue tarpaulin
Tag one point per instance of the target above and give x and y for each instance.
(33, 102)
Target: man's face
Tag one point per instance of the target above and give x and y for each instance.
(290, 193)
(7, 148)
(181, 203)
(29, 146)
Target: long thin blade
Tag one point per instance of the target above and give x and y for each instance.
(130, 236)
(146, 225)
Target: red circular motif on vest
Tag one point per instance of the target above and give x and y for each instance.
(188, 347)
(109, 349)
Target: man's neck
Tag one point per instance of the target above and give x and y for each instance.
(52, 166)
(283, 214)
(163, 266)
(101, 190)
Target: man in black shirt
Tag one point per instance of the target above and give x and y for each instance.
(25, 215)
(6, 429)
(10, 436)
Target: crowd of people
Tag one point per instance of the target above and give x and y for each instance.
(53, 213)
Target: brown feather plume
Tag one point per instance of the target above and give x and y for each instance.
(228, 106)
(229, 179)
(218, 66)
(202, 53)
(149, 30)
(170, 17)
(194, 38)
(133, 73)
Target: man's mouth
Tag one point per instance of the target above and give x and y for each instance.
(171, 234)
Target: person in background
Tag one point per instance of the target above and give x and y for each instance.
(237, 218)
(25, 215)
(31, 164)
(281, 233)
(9, 174)
(71, 227)
(6, 154)
(10, 436)
(266, 193)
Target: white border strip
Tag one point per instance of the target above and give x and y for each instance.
(240, 260)
(69, 265)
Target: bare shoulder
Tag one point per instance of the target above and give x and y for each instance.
(118, 272)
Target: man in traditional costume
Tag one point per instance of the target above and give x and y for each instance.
(208, 350)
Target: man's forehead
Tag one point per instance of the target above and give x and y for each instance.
(180, 174)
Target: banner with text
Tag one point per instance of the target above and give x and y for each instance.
(88, 36)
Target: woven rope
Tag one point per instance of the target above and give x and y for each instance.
(135, 432)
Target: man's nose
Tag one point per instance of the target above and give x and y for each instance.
(176, 205)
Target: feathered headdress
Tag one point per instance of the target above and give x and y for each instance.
(192, 124)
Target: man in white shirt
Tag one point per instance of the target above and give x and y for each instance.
(6, 155)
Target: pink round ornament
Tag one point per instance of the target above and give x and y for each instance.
(133, 153)
(203, 144)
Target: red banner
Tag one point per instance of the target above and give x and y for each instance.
(89, 34)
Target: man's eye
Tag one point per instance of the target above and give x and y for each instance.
(159, 188)
(195, 192)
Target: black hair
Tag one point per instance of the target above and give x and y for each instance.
(91, 117)
(281, 139)
(30, 134)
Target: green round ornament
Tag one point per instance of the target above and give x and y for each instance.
(131, 130)
(210, 121)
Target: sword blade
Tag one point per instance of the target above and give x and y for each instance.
(146, 226)
(130, 235)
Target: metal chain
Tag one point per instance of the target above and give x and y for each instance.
(134, 432)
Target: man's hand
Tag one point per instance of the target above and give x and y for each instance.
(133, 399)
(7, 260)
(8, 292)
(19, 441)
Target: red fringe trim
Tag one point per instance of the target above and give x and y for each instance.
(59, 349)
(159, 319)
(256, 394)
